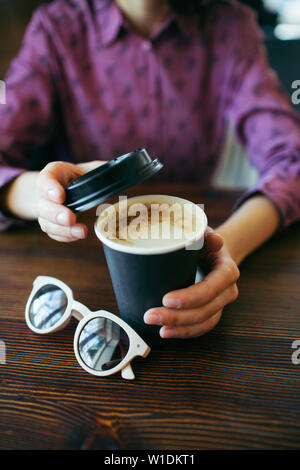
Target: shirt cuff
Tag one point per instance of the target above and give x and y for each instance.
(285, 195)
(7, 174)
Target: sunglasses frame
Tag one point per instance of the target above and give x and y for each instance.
(137, 346)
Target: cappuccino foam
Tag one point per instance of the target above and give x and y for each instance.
(150, 222)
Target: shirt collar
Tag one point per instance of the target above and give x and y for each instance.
(112, 22)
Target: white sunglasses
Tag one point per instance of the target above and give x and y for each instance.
(103, 343)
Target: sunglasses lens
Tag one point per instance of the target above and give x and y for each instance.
(47, 307)
(103, 344)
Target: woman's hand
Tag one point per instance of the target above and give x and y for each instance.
(54, 218)
(194, 311)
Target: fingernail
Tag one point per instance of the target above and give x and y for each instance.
(53, 194)
(171, 302)
(62, 218)
(166, 332)
(77, 232)
(152, 318)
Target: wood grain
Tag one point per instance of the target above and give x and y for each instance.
(234, 388)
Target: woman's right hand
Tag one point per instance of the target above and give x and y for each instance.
(55, 219)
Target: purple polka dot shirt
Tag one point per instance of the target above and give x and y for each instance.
(84, 73)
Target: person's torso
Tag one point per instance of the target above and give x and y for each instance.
(119, 91)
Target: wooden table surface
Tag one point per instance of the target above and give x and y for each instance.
(234, 388)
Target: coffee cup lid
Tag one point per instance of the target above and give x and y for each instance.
(110, 179)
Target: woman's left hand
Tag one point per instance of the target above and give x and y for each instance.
(194, 311)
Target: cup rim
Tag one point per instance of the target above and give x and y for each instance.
(137, 250)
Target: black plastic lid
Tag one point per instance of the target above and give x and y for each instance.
(110, 179)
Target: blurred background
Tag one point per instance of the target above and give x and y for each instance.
(280, 22)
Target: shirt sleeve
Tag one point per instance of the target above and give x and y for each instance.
(263, 119)
(27, 117)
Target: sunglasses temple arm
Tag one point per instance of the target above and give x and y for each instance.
(127, 373)
(79, 310)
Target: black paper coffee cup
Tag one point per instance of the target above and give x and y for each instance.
(143, 270)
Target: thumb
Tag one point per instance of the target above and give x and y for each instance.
(89, 166)
(57, 175)
(213, 241)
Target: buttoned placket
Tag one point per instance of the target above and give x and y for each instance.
(149, 50)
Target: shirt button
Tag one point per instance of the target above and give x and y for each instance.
(146, 46)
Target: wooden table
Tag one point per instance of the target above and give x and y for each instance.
(235, 388)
